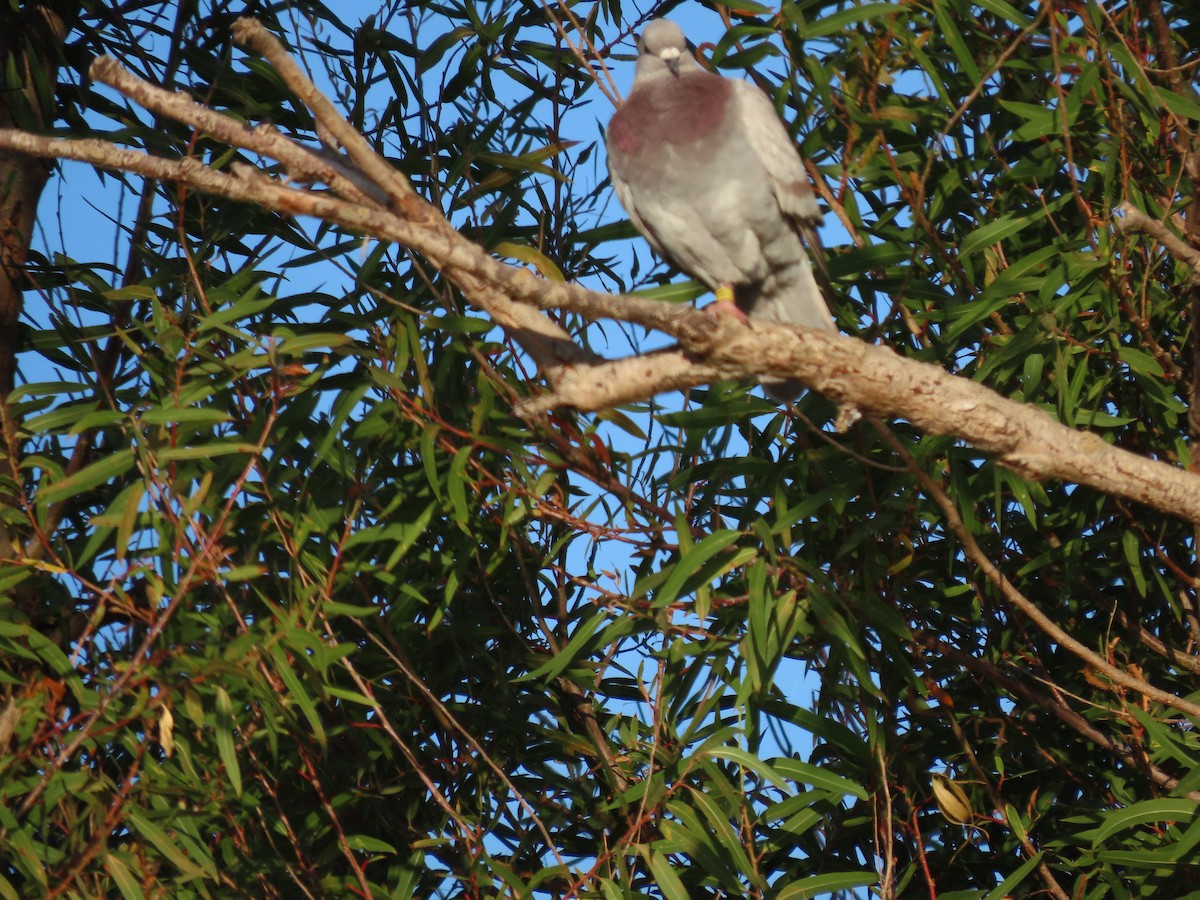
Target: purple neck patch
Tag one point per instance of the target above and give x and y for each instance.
(671, 109)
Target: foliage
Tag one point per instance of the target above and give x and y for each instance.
(297, 606)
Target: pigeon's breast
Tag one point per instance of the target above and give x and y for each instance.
(686, 171)
(685, 109)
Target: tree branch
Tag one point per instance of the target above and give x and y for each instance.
(1017, 599)
(1009, 680)
(873, 379)
(1132, 220)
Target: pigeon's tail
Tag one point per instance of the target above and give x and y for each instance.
(799, 300)
(791, 297)
(781, 390)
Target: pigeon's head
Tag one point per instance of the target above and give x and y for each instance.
(663, 48)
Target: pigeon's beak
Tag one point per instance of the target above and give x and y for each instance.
(671, 57)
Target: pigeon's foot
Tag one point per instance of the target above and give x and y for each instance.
(725, 305)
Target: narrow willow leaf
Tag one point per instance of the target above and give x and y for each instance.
(299, 693)
(821, 885)
(106, 469)
(129, 886)
(827, 25)
(167, 845)
(1007, 888)
(666, 879)
(806, 773)
(1161, 810)
(225, 747)
(692, 561)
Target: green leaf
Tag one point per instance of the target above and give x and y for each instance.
(1002, 228)
(169, 848)
(1186, 106)
(694, 560)
(367, 844)
(1140, 361)
(1005, 11)
(805, 773)
(456, 486)
(1161, 810)
(819, 885)
(579, 640)
(225, 748)
(954, 38)
(746, 760)
(207, 451)
(843, 19)
(298, 693)
(1040, 120)
(184, 416)
(1008, 886)
(664, 875)
(23, 853)
(108, 468)
(128, 885)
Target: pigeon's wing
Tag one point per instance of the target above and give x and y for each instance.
(768, 138)
(625, 194)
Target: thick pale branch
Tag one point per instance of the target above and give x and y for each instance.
(302, 163)
(549, 345)
(602, 385)
(873, 379)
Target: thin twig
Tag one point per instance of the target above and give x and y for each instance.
(1019, 600)
(444, 712)
(1073, 720)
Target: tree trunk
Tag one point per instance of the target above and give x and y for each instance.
(31, 39)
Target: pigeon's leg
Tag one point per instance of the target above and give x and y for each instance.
(725, 304)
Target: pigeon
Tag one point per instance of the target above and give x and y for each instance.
(708, 174)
